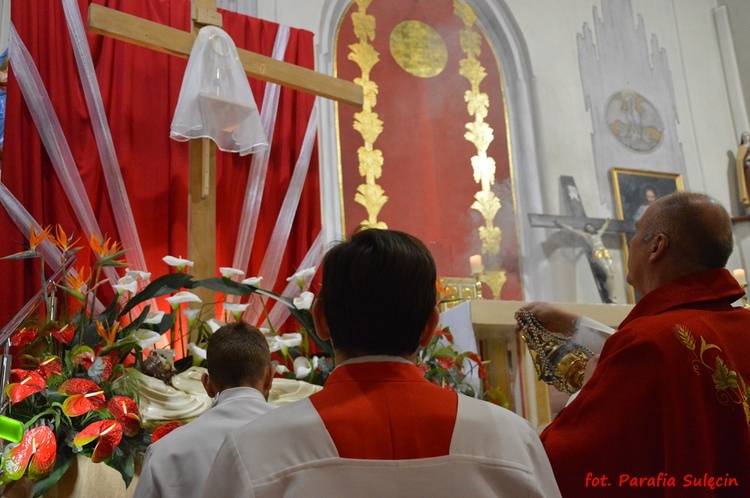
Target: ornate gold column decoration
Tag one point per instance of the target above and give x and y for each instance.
(481, 135)
(369, 194)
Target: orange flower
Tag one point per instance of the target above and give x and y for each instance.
(62, 241)
(103, 250)
(78, 281)
(108, 335)
(36, 239)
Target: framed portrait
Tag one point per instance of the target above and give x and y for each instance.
(634, 191)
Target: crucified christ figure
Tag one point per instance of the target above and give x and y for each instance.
(604, 272)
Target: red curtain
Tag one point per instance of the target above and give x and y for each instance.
(140, 89)
(427, 173)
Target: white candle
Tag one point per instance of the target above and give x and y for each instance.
(476, 264)
(739, 274)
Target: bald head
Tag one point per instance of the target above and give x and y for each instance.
(698, 228)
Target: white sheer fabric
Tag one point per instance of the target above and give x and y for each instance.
(215, 99)
(128, 233)
(258, 168)
(280, 236)
(51, 133)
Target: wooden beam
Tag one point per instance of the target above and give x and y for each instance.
(165, 39)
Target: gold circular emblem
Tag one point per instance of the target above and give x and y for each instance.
(418, 49)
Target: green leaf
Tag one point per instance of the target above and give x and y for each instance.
(124, 463)
(62, 464)
(166, 284)
(225, 286)
(111, 260)
(23, 255)
(136, 324)
(80, 297)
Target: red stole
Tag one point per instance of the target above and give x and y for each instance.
(386, 411)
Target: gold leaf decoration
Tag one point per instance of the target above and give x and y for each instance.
(723, 377)
(369, 194)
(731, 388)
(685, 337)
(481, 135)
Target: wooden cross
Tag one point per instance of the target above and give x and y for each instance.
(202, 176)
(579, 221)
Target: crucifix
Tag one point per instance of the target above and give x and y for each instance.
(202, 170)
(590, 231)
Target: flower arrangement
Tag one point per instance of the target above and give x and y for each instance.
(72, 381)
(69, 383)
(463, 372)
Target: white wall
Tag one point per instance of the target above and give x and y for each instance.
(685, 30)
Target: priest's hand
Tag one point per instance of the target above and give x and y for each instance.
(554, 319)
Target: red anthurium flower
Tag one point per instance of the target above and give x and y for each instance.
(125, 411)
(163, 430)
(64, 334)
(82, 355)
(50, 365)
(37, 450)
(84, 396)
(482, 372)
(446, 363)
(109, 433)
(23, 384)
(23, 337)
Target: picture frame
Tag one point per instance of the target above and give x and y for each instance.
(634, 190)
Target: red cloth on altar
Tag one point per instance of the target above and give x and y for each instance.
(662, 415)
(140, 88)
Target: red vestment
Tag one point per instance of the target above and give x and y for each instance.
(665, 412)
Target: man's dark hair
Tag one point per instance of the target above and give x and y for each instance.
(378, 292)
(697, 225)
(237, 355)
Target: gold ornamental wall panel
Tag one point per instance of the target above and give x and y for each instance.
(428, 153)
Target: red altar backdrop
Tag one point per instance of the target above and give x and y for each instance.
(140, 89)
(427, 171)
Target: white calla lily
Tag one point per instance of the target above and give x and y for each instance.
(276, 343)
(302, 276)
(183, 297)
(138, 275)
(191, 314)
(146, 337)
(303, 367)
(304, 301)
(154, 317)
(178, 262)
(281, 369)
(228, 272)
(252, 281)
(214, 324)
(199, 352)
(126, 284)
(236, 309)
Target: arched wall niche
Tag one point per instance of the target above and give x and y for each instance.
(502, 31)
